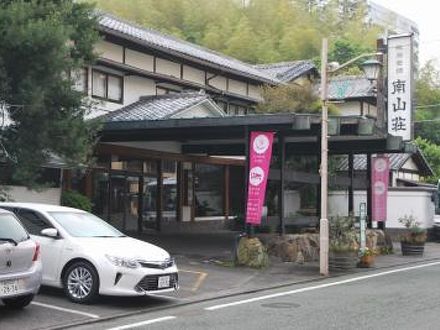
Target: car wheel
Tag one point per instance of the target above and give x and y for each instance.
(18, 302)
(81, 282)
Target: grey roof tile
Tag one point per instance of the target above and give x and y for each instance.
(360, 162)
(155, 107)
(165, 42)
(287, 71)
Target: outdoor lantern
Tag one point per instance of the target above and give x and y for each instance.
(372, 69)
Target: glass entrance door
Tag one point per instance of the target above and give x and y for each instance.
(149, 203)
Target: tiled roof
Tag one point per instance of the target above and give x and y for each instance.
(349, 87)
(156, 107)
(167, 43)
(360, 162)
(286, 71)
(397, 160)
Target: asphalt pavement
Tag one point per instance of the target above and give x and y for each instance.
(206, 275)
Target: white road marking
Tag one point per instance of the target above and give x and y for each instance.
(66, 310)
(139, 324)
(321, 286)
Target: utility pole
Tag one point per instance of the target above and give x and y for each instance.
(323, 223)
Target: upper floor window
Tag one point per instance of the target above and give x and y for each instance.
(80, 79)
(107, 86)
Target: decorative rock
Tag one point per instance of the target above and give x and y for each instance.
(252, 253)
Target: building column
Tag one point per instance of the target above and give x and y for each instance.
(159, 195)
(350, 187)
(282, 160)
(369, 193)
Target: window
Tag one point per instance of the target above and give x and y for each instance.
(10, 228)
(79, 79)
(107, 86)
(33, 222)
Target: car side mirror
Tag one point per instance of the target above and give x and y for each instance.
(50, 232)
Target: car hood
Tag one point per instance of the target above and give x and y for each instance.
(125, 247)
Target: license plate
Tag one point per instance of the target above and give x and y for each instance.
(8, 287)
(163, 282)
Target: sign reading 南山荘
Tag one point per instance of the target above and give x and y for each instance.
(260, 151)
(400, 67)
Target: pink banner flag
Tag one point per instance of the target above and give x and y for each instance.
(379, 187)
(260, 152)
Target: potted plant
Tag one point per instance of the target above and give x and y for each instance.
(413, 240)
(367, 257)
(343, 245)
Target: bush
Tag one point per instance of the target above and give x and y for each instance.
(75, 199)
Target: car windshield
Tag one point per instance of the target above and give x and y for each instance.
(79, 224)
(11, 230)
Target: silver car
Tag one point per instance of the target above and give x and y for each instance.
(20, 264)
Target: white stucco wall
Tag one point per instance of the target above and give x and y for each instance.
(401, 202)
(24, 195)
(109, 50)
(135, 87)
(255, 91)
(217, 82)
(237, 87)
(139, 60)
(193, 74)
(167, 67)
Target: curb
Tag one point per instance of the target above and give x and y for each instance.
(230, 295)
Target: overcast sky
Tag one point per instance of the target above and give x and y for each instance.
(426, 14)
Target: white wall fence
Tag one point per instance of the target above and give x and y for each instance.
(24, 195)
(416, 201)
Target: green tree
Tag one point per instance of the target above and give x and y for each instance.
(291, 98)
(432, 154)
(42, 44)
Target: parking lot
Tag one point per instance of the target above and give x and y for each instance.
(51, 309)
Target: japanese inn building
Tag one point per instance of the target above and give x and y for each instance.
(176, 123)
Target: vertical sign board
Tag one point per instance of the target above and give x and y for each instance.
(260, 152)
(363, 224)
(379, 187)
(400, 89)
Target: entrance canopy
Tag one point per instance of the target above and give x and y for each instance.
(228, 135)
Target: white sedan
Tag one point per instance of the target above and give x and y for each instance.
(86, 256)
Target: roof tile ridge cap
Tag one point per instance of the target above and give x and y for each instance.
(174, 38)
(280, 64)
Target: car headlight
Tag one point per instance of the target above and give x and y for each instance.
(122, 262)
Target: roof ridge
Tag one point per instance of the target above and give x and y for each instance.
(278, 64)
(255, 72)
(171, 96)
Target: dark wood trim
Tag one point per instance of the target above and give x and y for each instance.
(247, 88)
(140, 204)
(179, 187)
(193, 202)
(226, 195)
(181, 71)
(227, 84)
(282, 161)
(123, 54)
(369, 193)
(159, 77)
(246, 176)
(350, 187)
(154, 64)
(159, 198)
(111, 149)
(122, 39)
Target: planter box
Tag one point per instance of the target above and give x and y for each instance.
(366, 261)
(412, 249)
(343, 260)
